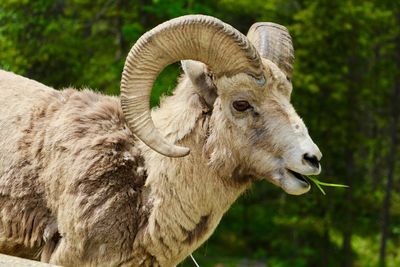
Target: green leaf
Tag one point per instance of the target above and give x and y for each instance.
(318, 183)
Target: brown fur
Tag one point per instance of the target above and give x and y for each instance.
(73, 163)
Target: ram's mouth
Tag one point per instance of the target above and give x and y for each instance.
(300, 177)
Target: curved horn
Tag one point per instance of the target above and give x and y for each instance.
(224, 49)
(273, 42)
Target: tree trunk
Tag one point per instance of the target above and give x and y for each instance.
(395, 110)
(347, 253)
(352, 124)
(144, 16)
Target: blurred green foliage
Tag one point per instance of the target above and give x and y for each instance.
(346, 84)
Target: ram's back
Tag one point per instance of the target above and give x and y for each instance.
(18, 96)
(68, 166)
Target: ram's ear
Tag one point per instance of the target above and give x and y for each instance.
(202, 79)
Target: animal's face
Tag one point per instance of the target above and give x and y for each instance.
(257, 128)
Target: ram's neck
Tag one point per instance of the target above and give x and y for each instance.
(187, 196)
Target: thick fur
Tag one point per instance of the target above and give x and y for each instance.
(69, 174)
(72, 180)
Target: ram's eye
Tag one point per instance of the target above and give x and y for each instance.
(241, 105)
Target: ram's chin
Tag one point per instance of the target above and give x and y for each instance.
(291, 182)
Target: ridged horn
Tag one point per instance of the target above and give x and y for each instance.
(224, 49)
(273, 42)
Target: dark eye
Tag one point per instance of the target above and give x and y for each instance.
(241, 105)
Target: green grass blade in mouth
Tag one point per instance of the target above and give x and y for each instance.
(319, 184)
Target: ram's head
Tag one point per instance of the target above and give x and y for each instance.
(246, 81)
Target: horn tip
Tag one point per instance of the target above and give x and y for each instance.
(179, 151)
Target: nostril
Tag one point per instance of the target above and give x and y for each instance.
(312, 160)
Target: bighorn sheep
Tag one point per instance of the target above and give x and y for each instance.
(94, 180)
